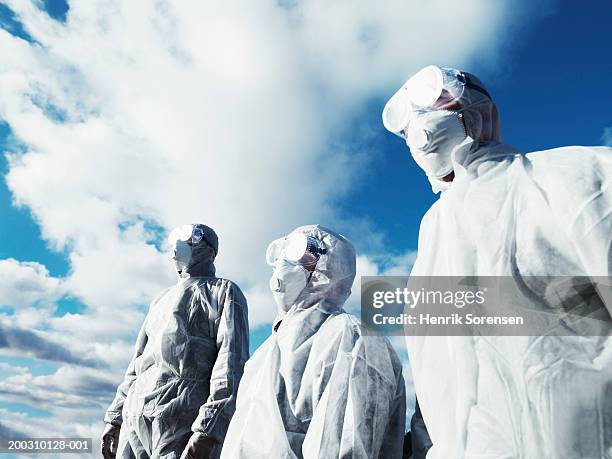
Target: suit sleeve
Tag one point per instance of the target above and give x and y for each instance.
(113, 413)
(233, 351)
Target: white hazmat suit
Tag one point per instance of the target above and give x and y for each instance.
(507, 213)
(317, 388)
(187, 363)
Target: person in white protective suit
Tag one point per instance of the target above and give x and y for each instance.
(506, 213)
(317, 388)
(179, 391)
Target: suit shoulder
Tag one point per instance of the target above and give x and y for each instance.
(223, 287)
(159, 296)
(347, 323)
(431, 213)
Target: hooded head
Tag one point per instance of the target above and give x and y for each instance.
(480, 115)
(325, 285)
(444, 114)
(194, 248)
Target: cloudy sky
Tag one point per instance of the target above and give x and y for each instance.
(120, 120)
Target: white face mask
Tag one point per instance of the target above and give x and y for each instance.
(431, 138)
(287, 282)
(181, 255)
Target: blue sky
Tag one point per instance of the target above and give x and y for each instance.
(550, 78)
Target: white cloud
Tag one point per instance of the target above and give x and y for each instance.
(7, 367)
(138, 113)
(29, 290)
(25, 284)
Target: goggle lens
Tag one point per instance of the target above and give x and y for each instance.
(430, 88)
(298, 249)
(186, 233)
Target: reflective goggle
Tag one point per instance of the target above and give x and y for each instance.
(191, 234)
(298, 249)
(430, 88)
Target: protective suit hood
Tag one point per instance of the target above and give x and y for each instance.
(203, 255)
(330, 283)
(482, 125)
(480, 114)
